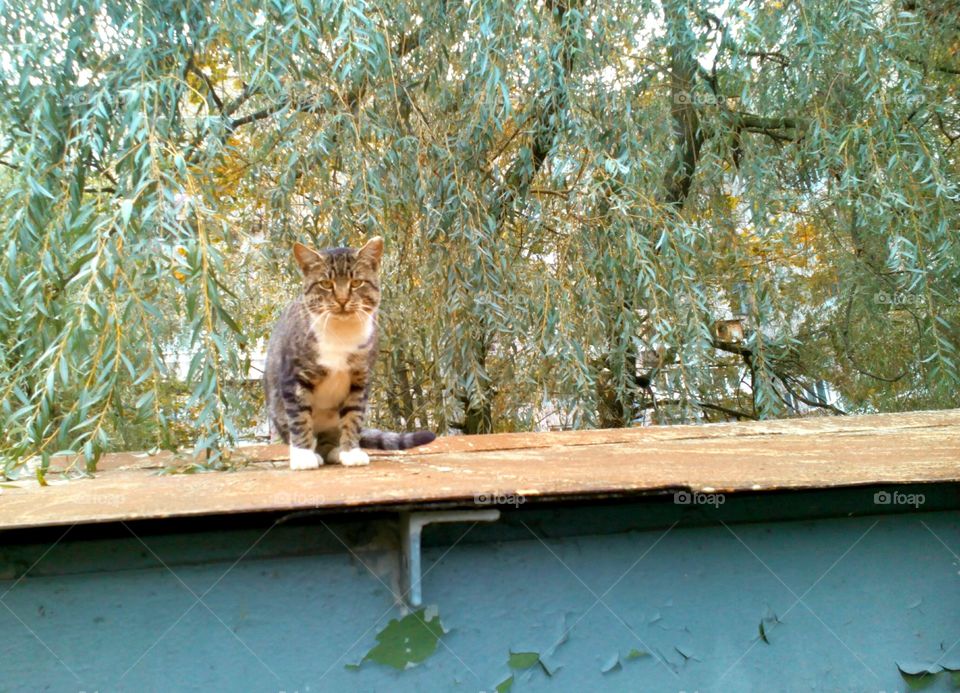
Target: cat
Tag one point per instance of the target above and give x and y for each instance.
(320, 357)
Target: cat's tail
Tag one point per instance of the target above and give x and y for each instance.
(388, 440)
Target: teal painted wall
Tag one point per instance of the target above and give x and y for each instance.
(287, 608)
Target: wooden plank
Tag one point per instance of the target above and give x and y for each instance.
(511, 441)
(917, 447)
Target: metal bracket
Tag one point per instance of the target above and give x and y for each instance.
(411, 527)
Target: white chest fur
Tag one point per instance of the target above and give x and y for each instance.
(337, 339)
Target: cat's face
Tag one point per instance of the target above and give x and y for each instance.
(341, 282)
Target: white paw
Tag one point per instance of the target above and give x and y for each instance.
(353, 458)
(301, 458)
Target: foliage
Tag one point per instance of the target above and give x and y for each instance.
(572, 193)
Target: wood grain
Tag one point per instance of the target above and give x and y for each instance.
(823, 452)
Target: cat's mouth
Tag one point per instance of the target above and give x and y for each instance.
(344, 312)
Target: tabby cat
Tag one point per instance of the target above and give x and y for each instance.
(320, 357)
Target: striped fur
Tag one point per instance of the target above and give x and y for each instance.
(320, 356)
(388, 440)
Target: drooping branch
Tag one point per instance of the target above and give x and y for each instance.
(688, 136)
(784, 128)
(777, 368)
(405, 45)
(775, 56)
(733, 348)
(729, 412)
(545, 114)
(687, 141)
(262, 114)
(232, 107)
(547, 121)
(806, 400)
(926, 65)
(195, 70)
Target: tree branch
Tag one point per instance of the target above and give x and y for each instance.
(688, 136)
(784, 128)
(732, 348)
(747, 355)
(103, 171)
(547, 124)
(775, 56)
(259, 115)
(936, 67)
(192, 67)
(407, 43)
(808, 402)
(730, 412)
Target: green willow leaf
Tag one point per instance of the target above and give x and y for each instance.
(566, 227)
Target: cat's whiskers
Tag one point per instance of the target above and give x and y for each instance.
(323, 318)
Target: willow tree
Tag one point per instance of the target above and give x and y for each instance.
(573, 193)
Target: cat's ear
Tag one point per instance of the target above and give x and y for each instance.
(372, 251)
(307, 258)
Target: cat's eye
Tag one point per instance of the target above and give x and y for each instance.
(356, 283)
(325, 284)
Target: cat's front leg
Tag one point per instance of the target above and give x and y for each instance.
(303, 458)
(296, 402)
(352, 411)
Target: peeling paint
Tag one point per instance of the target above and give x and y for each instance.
(501, 596)
(523, 660)
(407, 641)
(919, 675)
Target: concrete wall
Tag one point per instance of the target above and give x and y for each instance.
(611, 598)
